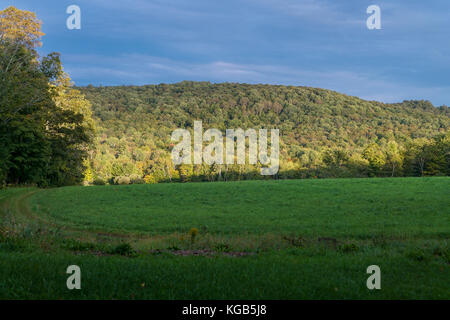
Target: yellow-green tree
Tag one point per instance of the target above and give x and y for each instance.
(394, 157)
(377, 159)
(68, 98)
(21, 26)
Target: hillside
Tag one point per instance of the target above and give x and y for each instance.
(318, 128)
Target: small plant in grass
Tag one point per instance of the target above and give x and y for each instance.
(328, 242)
(222, 247)
(193, 234)
(76, 245)
(295, 241)
(349, 248)
(418, 255)
(443, 253)
(123, 249)
(12, 244)
(379, 242)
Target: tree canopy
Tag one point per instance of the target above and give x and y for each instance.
(323, 133)
(45, 124)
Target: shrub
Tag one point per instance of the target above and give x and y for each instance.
(122, 180)
(124, 249)
(150, 179)
(136, 179)
(99, 182)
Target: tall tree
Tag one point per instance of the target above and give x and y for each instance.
(38, 107)
(394, 158)
(24, 94)
(377, 159)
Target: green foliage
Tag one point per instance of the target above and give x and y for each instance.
(377, 159)
(222, 247)
(45, 125)
(428, 157)
(335, 158)
(323, 133)
(123, 249)
(394, 157)
(44, 144)
(99, 182)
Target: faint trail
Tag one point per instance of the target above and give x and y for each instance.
(17, 204)
(18, 207)
(21, 205)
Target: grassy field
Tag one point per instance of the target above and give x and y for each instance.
(296, 239)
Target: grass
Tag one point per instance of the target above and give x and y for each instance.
(296, 239)
(358, 208)
(279, 275)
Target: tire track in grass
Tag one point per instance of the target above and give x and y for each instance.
(18, 207)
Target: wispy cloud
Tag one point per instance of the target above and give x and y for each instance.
(320, 43)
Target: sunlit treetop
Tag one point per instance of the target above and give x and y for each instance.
(22, 26)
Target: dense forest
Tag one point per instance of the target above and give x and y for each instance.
(322, 133)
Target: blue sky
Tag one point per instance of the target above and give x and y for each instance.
(319, 43)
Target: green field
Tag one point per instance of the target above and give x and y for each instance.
(286, 239)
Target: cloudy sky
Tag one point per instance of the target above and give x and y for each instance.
(319, 43)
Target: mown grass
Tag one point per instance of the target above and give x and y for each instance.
(306, 239)
(355, 208)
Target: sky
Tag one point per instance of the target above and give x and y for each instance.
(317, 43)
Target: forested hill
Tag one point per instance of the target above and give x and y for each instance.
(306, 117)
(135, 122)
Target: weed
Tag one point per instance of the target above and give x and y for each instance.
(222, 247)
(193, 233)
(417, 255)
(76, 245)
(348, 247)
(123, 249)
(295, 241)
